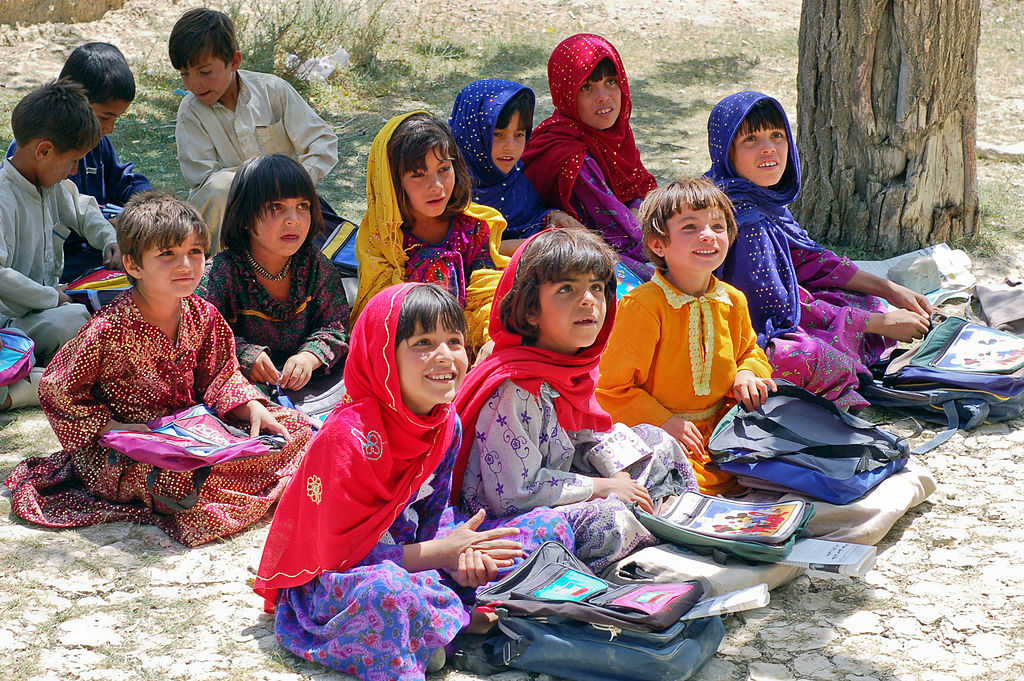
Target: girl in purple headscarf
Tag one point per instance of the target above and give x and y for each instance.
(816, 314)
(491, 121)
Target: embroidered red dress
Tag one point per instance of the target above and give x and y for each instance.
(121, 367)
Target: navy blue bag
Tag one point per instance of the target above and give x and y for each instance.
(961, 376)
(585, 652)
(800, 442)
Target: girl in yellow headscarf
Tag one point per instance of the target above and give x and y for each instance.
(420, 224)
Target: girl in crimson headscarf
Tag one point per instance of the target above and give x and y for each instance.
(539, 436)
(583, 159)
(365, 565)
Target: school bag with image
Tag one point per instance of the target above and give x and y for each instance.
(192, 439)
(97, 287)
(799, 442)
(556, 617)
(764, 532)
(961, 375)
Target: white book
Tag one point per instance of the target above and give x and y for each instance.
(743, 599)
(852, 560)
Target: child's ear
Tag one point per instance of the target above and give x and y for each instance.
(130, 267)
(43, 149)
(657, 245)
(236, 61)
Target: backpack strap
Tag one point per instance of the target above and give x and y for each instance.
(979, 412)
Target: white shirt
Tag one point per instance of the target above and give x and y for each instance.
(269, 118)
(34, 224)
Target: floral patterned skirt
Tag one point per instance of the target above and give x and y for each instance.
(380, 622)
(830, 350)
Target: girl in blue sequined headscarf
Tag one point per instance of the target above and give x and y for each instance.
(816, 314)
(492, 121)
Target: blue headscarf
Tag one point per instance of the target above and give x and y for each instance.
(473, 119)
(759, 264)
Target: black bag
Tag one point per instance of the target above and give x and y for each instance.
(555, 617)
(552, 582)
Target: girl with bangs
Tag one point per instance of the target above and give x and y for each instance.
(540, 437)
(367, 567)
(281, 296)
(421, 225)
(492, 121)
(819, 318)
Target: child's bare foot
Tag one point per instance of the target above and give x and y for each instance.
(481, 622)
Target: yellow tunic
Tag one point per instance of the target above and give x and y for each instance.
(672, 354)
(382, 258)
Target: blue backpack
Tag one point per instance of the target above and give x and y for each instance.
(961, 376)
(799, 442)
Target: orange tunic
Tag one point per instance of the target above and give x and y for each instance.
(672, 354)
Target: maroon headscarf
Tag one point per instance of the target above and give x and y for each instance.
(556, 150)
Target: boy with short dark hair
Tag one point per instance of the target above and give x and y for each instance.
(54, 127)
(110, 86)
(230, 115)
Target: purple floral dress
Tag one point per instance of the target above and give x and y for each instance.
(379, 621)
(450, 263)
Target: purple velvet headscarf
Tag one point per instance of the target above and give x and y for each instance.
(473, 119)
(759, 264)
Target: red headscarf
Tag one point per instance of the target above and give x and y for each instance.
(574, 377)
(363, 466)
(556, 150)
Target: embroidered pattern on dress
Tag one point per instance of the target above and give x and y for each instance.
(314, 489)
(702, 328)
(371, 443)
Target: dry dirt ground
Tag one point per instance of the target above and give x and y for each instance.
(944, 603)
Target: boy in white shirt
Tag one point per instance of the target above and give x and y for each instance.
(54, 127)
(230, 115)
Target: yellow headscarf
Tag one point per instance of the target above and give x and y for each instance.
(379, 249)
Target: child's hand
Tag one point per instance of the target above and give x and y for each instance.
(751, 391)
(62, 298)
(625, 488)
(906, 299)
(561, 219)
(490, 543)
(476, 568)
(112, 257)
(263, 370)
(298, 369)
(688, 436)
(901, 325)
(260, 419)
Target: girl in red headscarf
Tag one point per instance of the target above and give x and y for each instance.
(540, 437)
(583, 159)
(364, 560)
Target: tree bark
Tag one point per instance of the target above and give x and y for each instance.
(886, 118)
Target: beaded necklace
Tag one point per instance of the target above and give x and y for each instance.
(261, 271)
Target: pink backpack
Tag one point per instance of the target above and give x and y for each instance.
(16, 355)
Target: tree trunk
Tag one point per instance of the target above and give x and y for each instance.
(886, 117)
